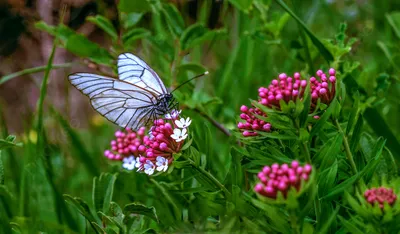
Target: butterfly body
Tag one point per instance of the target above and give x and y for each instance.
(134, 100)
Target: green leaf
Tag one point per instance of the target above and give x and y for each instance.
(329, 152)
(129, 6)
(394, 20)
(326, 224)
(243, 5)
(117, 215)
(83, 47)
(135, 208)
(375, 158)
(370, 167)
(196, 34)
(321, 48)
(349, 226)
(135, 34)
(9, 142)
(324, 118)
(131, 19)
(76, 144)
(174, 19)
(354, 114)
(103, 189)
(81, 206)
(105, 24)
(31, 71)
(77, 44)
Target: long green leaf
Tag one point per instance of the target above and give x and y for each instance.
(103, 189)
(32, 70)
(321, 48)
(135, 208)
(79, 150)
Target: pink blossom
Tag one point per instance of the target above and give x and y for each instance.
(379, 196)
(286, 88)
(252, 123)
(151, 152)
(281, 178)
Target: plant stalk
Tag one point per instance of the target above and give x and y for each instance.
(214, 122)
(303, 144)
(347, 148)
(293, 222)
(210, 177)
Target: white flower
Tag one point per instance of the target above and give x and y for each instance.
(182, 123)
(129, 163)
(138, 164)
(173, 115)
(179, 135)
(149, 167)
(162, 164)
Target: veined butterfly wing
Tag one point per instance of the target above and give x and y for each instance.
(135, 71)
(123, 103)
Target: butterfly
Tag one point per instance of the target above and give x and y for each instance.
(134, 100)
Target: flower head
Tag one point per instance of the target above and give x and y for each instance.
(162, 164)
(379, 196)
(149, 167)
(127, 143)
(281, 178)
(287, 88)
(284, 88)
(129, 163)
(173, 115)
(152, 152)
(179, 134)
(183, 123)
(252, 123)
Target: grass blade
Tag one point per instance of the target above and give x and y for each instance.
(321, 48)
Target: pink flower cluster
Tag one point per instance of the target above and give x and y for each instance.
(380, 195)
(281, 178)
(127, 143)
(152, 152)
(324, 88)
(287, 88)
(252, 123)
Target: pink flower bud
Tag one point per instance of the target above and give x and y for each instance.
(282, 76)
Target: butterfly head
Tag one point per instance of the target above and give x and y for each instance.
(166, 103)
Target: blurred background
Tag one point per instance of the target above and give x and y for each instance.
(244, 44)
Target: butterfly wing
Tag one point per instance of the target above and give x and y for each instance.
(123, 103)
(135, 71)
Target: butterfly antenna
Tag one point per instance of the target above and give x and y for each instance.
(198, 76)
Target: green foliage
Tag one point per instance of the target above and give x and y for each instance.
(47, 184)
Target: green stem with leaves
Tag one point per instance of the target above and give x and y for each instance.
(347, 147)
(302, 143)
(209, 176)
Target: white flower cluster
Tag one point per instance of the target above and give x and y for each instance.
(131, 163)
(161, 164)
(180, 133)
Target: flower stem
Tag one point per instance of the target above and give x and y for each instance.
(347, 148)
(214, 122)
(210, 177)
(293, 222)
(302, 143)
(167, 196)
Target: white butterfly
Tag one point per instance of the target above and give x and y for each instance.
(136, 99)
